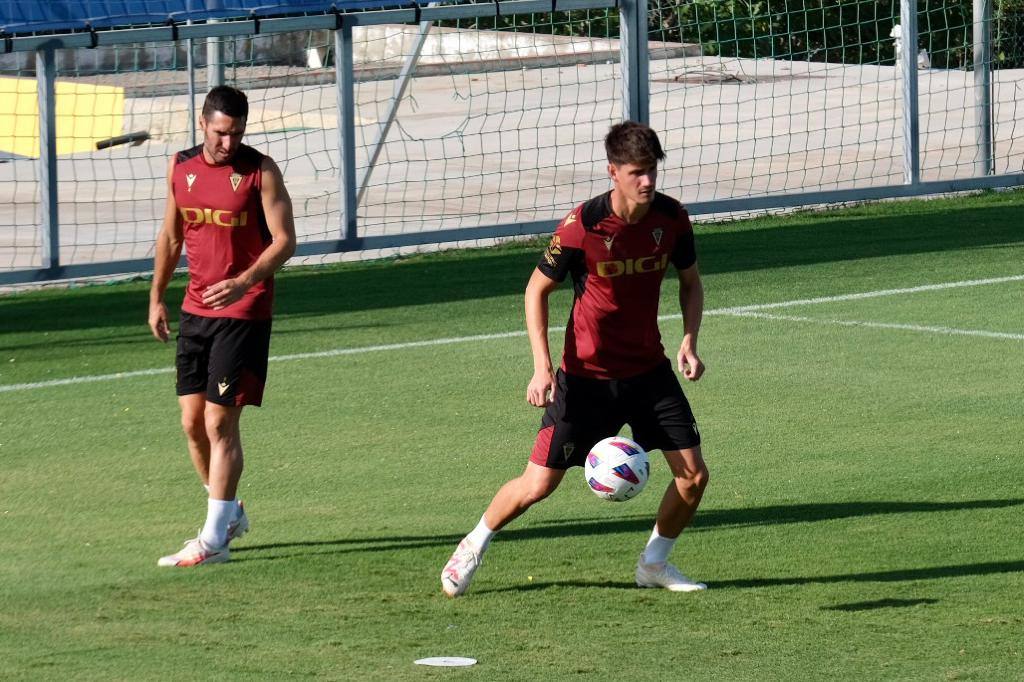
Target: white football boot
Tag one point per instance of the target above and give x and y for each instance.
(196, 553)
(459, 570)
(240, 526)
(665, 576)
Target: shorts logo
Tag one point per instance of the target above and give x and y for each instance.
(236, 180)
(568, 449)
(223, 386)
(656, 233)
(632, 266)
(190, 179)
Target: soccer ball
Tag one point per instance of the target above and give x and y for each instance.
(617, 469)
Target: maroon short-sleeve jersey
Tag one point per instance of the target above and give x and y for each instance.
(224, 226)
(616, 270)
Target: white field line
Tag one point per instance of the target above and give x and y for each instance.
(738, 311)
(869, 294)
(949, 331)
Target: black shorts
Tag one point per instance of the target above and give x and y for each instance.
(586, 410)
(223, 357)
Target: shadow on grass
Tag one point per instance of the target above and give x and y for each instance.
(924, 227)
(879, 604)
(709, 520)
(894, 576)
(899, 575)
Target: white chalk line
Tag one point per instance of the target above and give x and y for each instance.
(869, 294)
(948, 331)
(735, 311)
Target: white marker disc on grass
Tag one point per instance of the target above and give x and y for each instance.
(447, 661)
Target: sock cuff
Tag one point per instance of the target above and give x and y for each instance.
(481, 535)
(658, 547)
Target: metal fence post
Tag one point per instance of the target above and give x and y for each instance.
(911, 106)
(46, 78)
(984, 163)
(190, 68)
(636, 105)
(345, 80)
(214, 60)
(404, 78)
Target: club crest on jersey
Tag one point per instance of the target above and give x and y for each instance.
(608, 243)
(236, 179)
(190, 179)
(656, 233)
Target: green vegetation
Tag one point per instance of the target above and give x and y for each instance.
(834, 31)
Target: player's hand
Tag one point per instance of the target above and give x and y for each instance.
(224, 293)
(158, 321)
(538, 393)
(690, 365)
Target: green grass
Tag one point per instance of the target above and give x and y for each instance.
(862, 522)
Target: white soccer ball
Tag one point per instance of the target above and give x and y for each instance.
(617, 469)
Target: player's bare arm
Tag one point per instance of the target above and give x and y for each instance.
(277, 207)
(168, 251)
(691, 301)
(538, 393)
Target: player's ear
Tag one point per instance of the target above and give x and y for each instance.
(613, 172)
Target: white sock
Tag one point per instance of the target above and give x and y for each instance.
(219, 513)
(657, 548)
(481, 536)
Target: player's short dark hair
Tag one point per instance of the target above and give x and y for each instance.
(632, 142)
(228, 101)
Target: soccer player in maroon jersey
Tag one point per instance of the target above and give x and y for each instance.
(616, 249)
(227, 204)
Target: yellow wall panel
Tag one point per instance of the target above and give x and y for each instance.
(85, 114)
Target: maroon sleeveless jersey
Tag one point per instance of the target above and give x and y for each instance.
(225, 228)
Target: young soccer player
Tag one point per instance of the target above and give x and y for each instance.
(616, 249)
(227, 203)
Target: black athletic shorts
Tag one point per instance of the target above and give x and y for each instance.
(223, 357)
(584, 411)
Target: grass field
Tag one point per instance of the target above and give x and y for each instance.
(863, 519)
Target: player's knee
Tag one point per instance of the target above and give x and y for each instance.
(535, 491)
(693, 482)
(220, 426)
(701, 478)
(193, 425)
